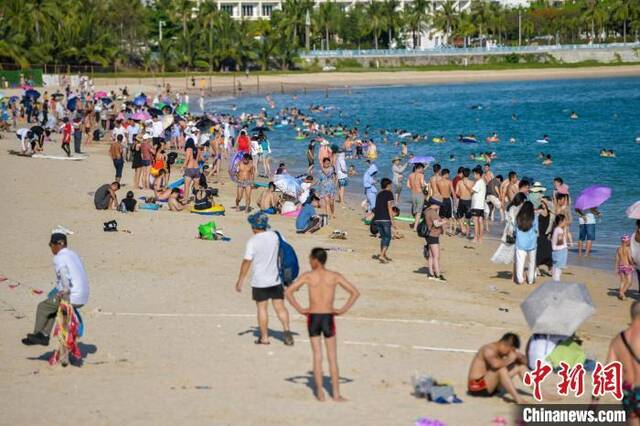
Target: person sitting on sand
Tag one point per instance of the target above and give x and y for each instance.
(160, 190)
(72, 284)
(269, 201)
(128, 204)
(495, 365)
(321, 314)
(175, 205)
(308, 221)
(105, 197)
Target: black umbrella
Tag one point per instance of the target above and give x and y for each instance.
(154, 112)
(57, 95)
(205, 124)
(260, 129)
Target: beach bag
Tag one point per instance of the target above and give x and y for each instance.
(207, 231)
(288, 266)
(422, 228)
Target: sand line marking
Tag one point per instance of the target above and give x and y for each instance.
(349, 318)
(396, 346)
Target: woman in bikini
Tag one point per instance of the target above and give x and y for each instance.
(624, 265)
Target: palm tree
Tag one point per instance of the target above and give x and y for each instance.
(466, 28)
(446, 18)
(326, 18)
(392, 18)
(481, 14)
(622, 12)
(375, 20)
(181, 11)
(417, 18)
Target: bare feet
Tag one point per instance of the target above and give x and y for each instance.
(339, 398)
(320, 396)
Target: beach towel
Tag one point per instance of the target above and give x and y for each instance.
(568, 351)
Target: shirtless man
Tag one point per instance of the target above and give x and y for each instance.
(494, 366)
(416, 183)
(463, 192)
(624, 348)
(321, 314)
(434, 191)
(115, 152)
(445, 188)
(269, 201)
(245, 176)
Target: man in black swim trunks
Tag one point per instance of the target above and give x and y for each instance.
(321, 315)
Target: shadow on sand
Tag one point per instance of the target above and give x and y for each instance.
(309, 382)
(85, 349)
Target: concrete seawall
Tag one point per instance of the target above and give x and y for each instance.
(622, 54)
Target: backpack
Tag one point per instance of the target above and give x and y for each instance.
(288, 266)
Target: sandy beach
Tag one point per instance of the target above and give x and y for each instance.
(219, 85)
(168, 340)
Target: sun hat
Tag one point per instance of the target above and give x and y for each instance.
(258, 220)
(537, 187)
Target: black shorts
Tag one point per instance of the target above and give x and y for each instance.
(446, 210)
(477, 213)
(432, 240)
(324, 324)
(266, 293)
(464, 209)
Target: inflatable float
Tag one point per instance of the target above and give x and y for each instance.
(217, 210)
(468, 139)
(177, 184)
(408, 219)
(438, 140)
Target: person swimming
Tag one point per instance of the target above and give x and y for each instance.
(573, 115)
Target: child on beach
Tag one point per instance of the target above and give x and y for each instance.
(321, 315)
(624, 265)
(559, 246)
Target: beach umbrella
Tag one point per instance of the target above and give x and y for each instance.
(140, 100)
(141, 116)
(633, 212)
(154, 112)
(422, 159)
(100, 94)
(31, 93)
(106, 100)
(13, 99)
(592, 197)
(167, 120)
(557, 308)
(204, 124)
(288, 185)
(260, 129)
(72, 103)
(159, 105)
(182, 109)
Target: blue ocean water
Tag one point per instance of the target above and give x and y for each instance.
(608, 111)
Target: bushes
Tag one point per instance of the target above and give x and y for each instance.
(348, 63)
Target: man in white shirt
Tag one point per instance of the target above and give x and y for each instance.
(72, 284)
(157, 131)
(478, 195)
(342, 173)
(25, 136)
(261, 258)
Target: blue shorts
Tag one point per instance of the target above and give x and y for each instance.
(343, 182)
(560, 258)
(588, 232)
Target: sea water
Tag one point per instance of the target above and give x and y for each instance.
(608, 111)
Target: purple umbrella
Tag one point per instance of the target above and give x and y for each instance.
(141, 116)
(592, 197)
(423, 159)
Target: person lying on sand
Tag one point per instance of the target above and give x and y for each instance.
(494, 366)
(321, 314)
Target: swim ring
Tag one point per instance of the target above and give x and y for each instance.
(468, 139)
(438, 140)
(408, 219)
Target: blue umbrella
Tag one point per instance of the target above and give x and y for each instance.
(31, 93)
(72, 103)
(106, 100)
(140, 100)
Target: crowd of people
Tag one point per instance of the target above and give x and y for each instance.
(151, 136)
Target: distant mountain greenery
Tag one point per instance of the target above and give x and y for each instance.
(126, 33)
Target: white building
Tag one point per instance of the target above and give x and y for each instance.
(263, 9)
